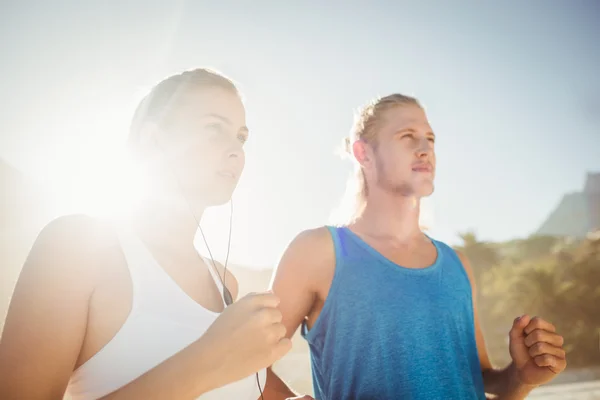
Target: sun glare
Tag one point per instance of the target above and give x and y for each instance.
(95, 181)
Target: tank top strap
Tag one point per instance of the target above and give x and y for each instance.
(146, 274)
(215, 276)
(340, 241)
(139, 260)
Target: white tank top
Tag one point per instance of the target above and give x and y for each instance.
(163, 320)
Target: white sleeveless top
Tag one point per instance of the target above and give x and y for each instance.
(163, 320)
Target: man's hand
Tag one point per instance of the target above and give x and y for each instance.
(536, 350)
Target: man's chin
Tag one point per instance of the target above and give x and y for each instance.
(425, 190)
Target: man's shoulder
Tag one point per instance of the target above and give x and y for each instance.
(313, 239)
(460, 258)
(311, 248)
(446, 248)
(316, 233)
(307, 262)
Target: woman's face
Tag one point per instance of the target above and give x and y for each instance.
(203, 145)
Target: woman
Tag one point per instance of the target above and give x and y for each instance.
(133, 311)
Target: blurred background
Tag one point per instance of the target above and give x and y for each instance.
(512, 90)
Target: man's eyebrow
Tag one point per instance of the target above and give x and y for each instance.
(404, 130)
(429, 133)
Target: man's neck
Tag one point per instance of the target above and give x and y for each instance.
(394, 218)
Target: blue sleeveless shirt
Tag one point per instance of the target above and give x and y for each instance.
(389, 332)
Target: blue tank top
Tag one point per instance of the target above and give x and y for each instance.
(389, 332)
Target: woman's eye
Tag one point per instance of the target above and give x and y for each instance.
(214, 128)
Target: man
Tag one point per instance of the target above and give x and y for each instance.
(388, 312)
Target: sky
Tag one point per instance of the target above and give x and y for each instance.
(512, 90)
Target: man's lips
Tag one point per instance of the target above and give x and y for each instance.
(426, 167)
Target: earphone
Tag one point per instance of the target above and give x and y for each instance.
(227, 297)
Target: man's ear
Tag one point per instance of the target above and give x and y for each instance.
(360, 150)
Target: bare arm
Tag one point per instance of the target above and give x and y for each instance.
(47, 319)
(276, 388)
(309, 259)
(503, 383)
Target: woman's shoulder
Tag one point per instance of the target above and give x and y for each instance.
(78, 232)
(77, 242)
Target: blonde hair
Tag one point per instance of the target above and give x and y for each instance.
(367, 122)
(166, 96)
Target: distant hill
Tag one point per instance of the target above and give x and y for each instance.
(577, 214)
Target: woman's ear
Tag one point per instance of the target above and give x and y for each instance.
(145, 148)
(148, 138)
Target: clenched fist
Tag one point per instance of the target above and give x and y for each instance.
(536, 350)
(249, 335)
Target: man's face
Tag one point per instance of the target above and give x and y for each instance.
(403, 159)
